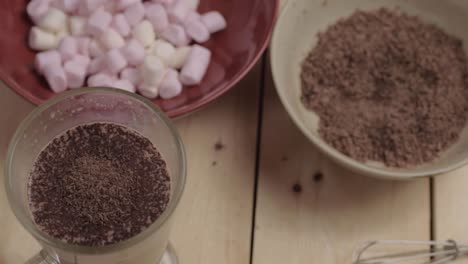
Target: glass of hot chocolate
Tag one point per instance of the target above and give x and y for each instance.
(95, 175)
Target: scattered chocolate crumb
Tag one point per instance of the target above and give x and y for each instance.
(214, 163)
(387, 87)
(98, 184)
(284, 158)
(219, 145)
(297, 188)
(318, 177)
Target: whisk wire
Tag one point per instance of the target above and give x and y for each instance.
(437, 253)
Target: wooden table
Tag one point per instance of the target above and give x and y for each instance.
(268, 196)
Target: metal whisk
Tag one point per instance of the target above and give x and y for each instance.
(429, 252)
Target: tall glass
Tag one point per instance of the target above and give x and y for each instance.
(89, 105)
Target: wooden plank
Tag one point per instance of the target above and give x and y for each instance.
(327, 217)
(214, 220)
(451, 207)
(16, 245)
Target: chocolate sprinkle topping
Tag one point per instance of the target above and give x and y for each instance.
(98, 184)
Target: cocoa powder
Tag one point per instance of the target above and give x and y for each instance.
(387, 87)
(98, 184)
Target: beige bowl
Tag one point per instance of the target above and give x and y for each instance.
(294, 37)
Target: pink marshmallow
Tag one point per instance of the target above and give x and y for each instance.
(96, 65)
(176, 35)
(131, 74)
(68, 6)
(178, 12)
(164, 2)
(83, 45)
(115, 61)
(83, 60)
(122, 4)
(100, 80)
(125, 85)
(134, 13)
(157, 15)
(134, 52)
(196, 29)
(99, 22)
(120, 24)
(83, 10)
(196, 65)
(76, 73)
(92, 5)
(214, 21)
(170, 86)
(46, 58)
(68, 48)
(36, 9)
(55, 76)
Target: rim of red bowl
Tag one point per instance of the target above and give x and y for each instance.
(185, 109)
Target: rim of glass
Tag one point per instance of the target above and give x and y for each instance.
(28, 223)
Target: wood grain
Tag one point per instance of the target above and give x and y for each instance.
(214, 220)
(326, 218)
(451, 207)
(16, 245)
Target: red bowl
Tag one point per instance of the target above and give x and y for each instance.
(235, 52)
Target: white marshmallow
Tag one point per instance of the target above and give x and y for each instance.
(62, 34)
(163, 50)
(41, 40)
(76, 73)
(131, 74)
(46, 58)
(95, 48)
(120, 24)
(111, 39)
(115, 61)
(36, 9)
(68, 48)
(144, 33)
(150, 49)
(170, 86)
(56, 78)
(179, 57)
(196, 66)
(152, 70)
(134, 52)
(100, 80)
(125, 85)
(54, 20)
(148, 90)
(77, 25)
(68, 6)
(214, 21)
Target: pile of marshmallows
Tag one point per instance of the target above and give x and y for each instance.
(126, 44)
